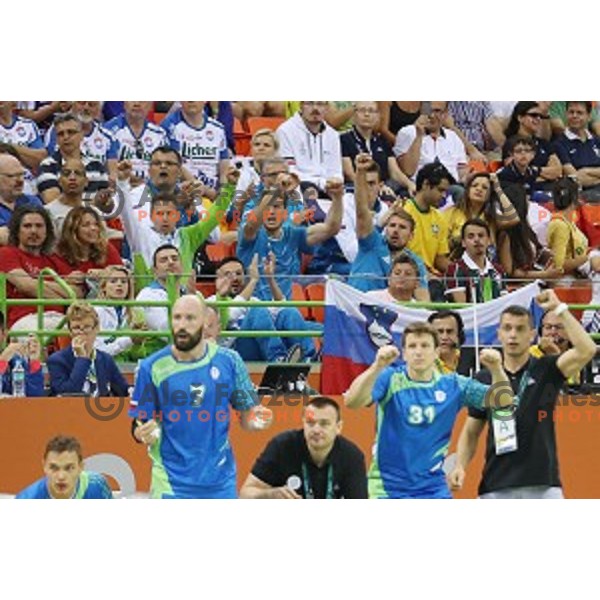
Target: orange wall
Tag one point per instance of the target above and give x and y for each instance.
(27, 424)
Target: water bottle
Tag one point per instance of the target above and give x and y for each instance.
(18, 379)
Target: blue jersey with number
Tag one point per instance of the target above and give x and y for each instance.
(190, 401)
(414, 425)
(90, 486)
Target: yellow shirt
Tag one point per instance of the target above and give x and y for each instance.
(565, 240)
(430, 237)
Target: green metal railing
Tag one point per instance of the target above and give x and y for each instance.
(172, 294)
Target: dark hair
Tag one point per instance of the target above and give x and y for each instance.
(521, 107)
(65, 118)
(588, 105)
(564, 193)
(444, 314)
(162, 198)
(405, 259)
(513, 141)
(374, 168)
(63, 443)
(160, 249)
(227, 260)
(420, 328)
(166, 150)
(476, 223)
(8, 149)
(518, 311)
(14, 226)
(322, 402)
(524, 244)
(434, 173)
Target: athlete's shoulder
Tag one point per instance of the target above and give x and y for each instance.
(36, 491)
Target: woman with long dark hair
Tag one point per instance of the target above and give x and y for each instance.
(520, 252)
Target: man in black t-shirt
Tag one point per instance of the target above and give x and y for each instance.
(521, 459)
(315, 462)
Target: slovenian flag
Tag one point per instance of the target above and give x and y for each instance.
(356, 325)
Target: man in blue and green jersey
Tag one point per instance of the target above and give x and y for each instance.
(65, 478)
(181, 406)
(416, 410)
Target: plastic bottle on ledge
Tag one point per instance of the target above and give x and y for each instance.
(18, 379)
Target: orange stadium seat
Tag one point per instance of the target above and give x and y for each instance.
(316, 292)
(219, 251)
(298, 295)
(241, 137)
(206, 288)
(256, 123)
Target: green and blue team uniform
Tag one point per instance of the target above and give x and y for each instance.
(90, 486)
(190, 400)
(414, 425)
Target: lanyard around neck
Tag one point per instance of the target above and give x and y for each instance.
(308, 489)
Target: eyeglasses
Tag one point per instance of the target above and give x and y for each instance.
(164, 163)
(558, 327)
(275, 174)
(69, 172)
(537, 116)
(78, 329)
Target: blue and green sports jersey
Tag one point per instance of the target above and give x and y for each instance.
(90, 486)
(191, 402)
(414, 425)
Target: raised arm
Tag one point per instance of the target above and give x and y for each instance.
(364, 216)
(584, 348)
(321, 232)
(361, 390)
(409, 161)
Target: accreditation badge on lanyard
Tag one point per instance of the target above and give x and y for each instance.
(504, 420)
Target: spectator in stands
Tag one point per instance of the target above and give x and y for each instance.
(263, 147)
(521, 254)
(568, 244)
(65, 478)
(524, 465)
(475, 121)
(12, 197)
(26, 352)
(402, 282)
(377, 251)
(559, 120)
(483, 199)
(451, 333)
(316, 462)
(202, 144)
(364, 139)
(148, 228)
(231, 285)
(73, 183)
(519, 168)
(267, 230)
(83, 245)
(428, 141)
(43, 112)
(80, 368)
(69, 138)
(137, 137)
(98, 143)
(416, 411)
(116, 283)
(222, 111)
(579, 150)
(312, 144)
(395, 115)
(526, 120)
(22, 134)
(212, 326)
(29, 250)
(430, 239)
(167, 265)
(473, 277)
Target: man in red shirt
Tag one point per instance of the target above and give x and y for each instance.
(29, 250)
